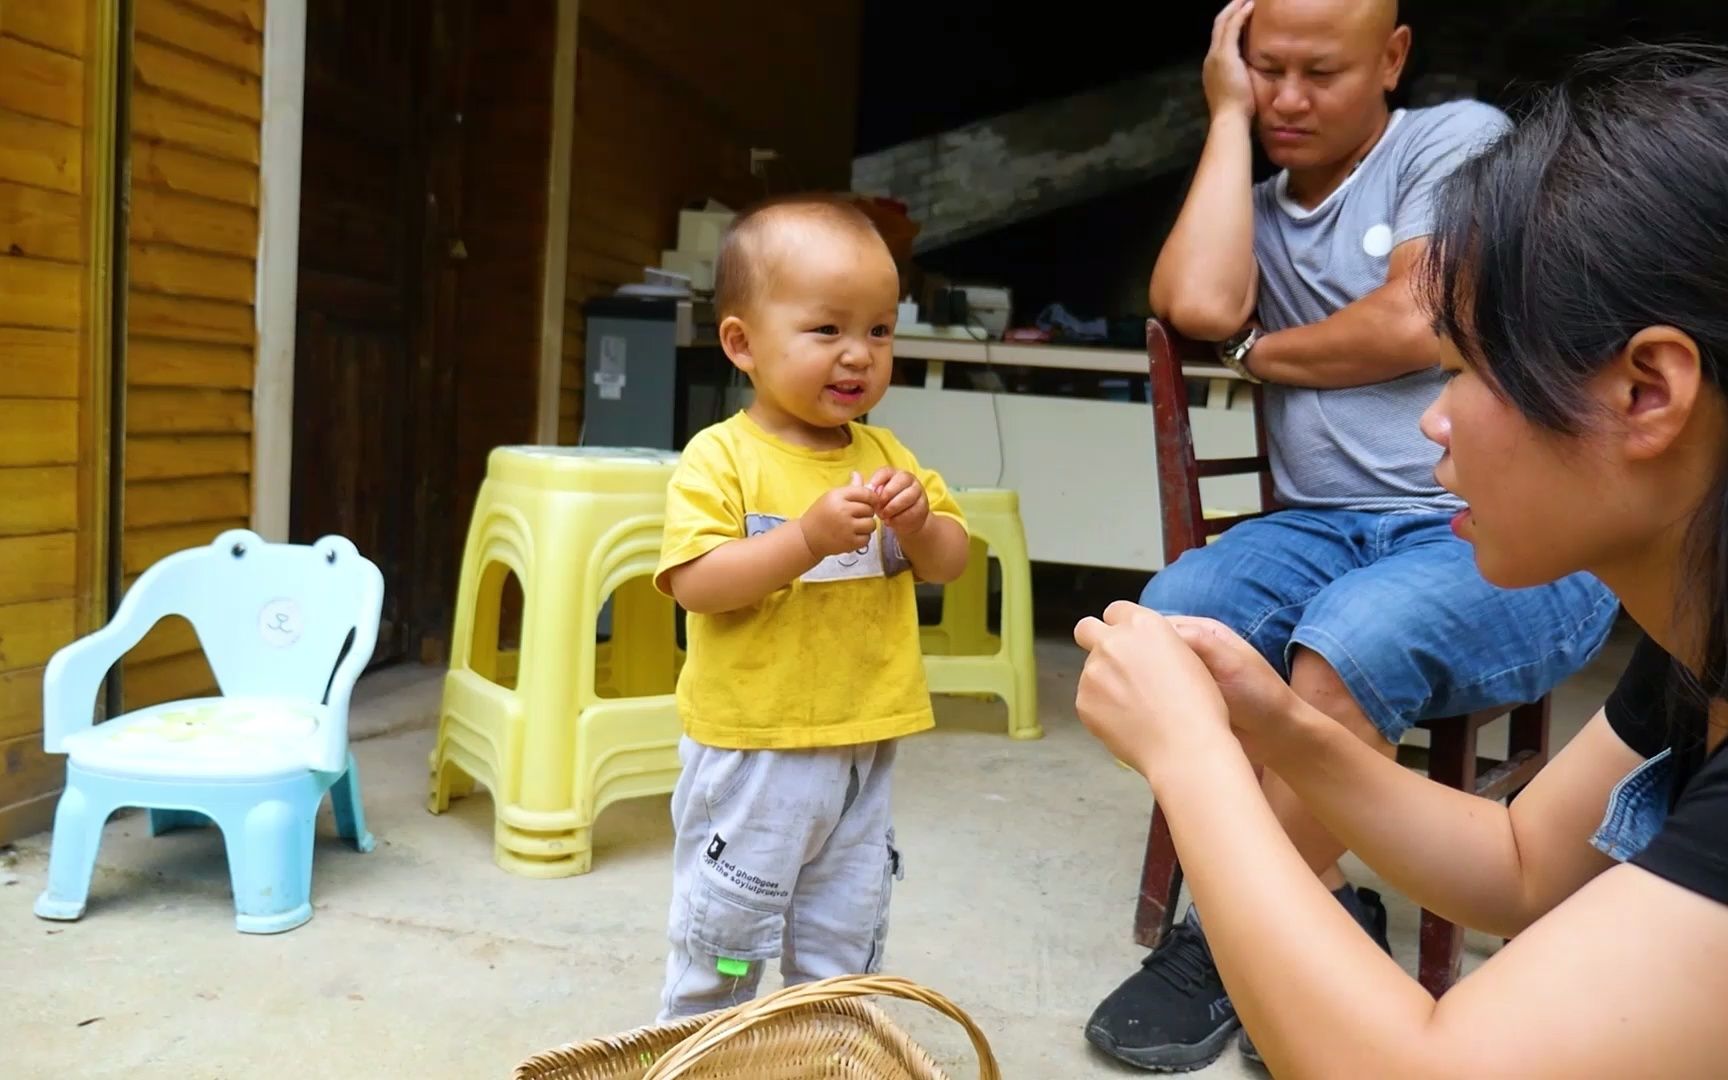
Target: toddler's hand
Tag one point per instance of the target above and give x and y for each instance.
(900, 500)
(841, 520)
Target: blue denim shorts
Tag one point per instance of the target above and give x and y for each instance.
(1395, 604)
(1637, 809)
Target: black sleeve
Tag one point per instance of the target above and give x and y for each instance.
(1638, 708)
(1692, 848)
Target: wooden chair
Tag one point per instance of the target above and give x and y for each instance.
(1451, 757)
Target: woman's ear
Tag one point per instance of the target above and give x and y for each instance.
(735, 341)
(1653, 388)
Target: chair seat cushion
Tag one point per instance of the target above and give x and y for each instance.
(204, 738)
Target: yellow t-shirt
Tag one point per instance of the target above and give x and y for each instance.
(832, 659)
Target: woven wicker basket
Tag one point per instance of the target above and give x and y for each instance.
(818, 1029)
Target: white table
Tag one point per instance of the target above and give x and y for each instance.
(1084, 467)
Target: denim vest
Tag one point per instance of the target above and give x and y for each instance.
(1637, 808)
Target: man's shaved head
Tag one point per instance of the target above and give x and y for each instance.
(756, 244)
(1373, 18)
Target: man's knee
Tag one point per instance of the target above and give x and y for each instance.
(1176, 589)
(1203, 585)
(1318, 683)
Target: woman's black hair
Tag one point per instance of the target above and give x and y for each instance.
(1604, 211)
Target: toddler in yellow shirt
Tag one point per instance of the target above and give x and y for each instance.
(794, 534)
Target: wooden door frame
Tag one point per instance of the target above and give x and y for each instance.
(279, 252)
(555, 262)
(101, 438)
(278, 265)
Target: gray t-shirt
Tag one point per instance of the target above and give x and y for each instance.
(1359, 448)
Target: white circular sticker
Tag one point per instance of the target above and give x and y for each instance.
(1377, 241)
(279, 623)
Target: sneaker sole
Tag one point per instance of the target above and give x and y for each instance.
(1171, 1058)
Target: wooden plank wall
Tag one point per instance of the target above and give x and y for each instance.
(42, 254)
(669, 99)
(193, 239)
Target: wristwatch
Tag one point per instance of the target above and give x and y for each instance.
(1233, 353)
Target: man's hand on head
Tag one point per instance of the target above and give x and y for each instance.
(1229, 89)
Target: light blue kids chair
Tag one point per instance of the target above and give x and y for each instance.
(287, 629)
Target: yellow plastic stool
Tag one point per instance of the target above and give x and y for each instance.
(551, 743)
(961, 656)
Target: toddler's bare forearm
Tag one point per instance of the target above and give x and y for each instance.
(740, 573)
(938, 552)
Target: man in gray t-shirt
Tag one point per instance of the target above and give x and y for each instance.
(1356, 589)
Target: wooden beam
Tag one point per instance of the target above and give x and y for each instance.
(38, 500)
(171, 637)
(247, 13)
(40, 363)
(172, 502)
(41, 83)
(181, 411)
(158, 362)
(40, 223)
(187, 172)
(210, 86)
(99, 185)
(31, 632)
(52, 24)
(20, 703)
(41, 153)
(168, 120)
(277, 303)
(45, 295)
(231, 43)
(38, 432)
(191, 222)
(157, 315)
(152, 683)
(144, 548)
(157, 457)
(43, 567)
(179, 272)
(554, 277)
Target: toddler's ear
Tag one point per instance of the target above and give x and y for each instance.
(735, 342)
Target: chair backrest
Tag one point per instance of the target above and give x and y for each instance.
(1185, 522)
(274, 619)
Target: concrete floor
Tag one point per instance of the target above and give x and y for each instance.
(424, 958)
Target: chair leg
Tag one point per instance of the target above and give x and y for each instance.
(966, 605)
(1528, 730)
(446, 782)
(644, 633)
(350, 813)
(1441, 953)
(1451, 761)
(270, 863)
(1160, 884)
(1017, 640)
(165, 821)
(78, 824)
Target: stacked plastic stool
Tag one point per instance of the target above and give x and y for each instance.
(961, 655)
(552, 742)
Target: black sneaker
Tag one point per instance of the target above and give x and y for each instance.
(1173, 1014)
(1370, 912)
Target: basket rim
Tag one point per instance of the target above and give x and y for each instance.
(660, 1040)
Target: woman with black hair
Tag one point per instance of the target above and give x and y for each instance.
(1578, 278)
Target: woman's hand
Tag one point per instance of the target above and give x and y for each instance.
(1261, 704)
(1144, 693)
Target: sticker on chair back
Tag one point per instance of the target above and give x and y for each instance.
(869, 561)
(279, 623)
